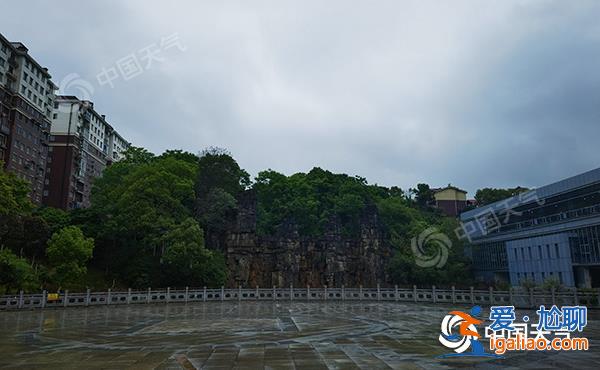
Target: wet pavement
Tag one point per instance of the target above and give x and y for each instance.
(251, 335)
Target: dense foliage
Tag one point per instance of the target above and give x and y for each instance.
(162, 221)
(311, 200)
(142, 207)
(490, 195)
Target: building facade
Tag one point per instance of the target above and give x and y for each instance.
(27, 96)
(548, 233)
(82, 144)
(451, 200)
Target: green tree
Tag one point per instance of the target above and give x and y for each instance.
(14, 205)
(218, 169)
(187, 261)
(54, 218)
(16, 273)
(490, 195)
(423, 195)
(68, 252)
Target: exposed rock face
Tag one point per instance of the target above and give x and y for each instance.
(287, 258)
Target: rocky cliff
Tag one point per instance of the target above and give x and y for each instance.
(287, 258)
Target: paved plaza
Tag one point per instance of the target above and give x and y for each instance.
(250, 335)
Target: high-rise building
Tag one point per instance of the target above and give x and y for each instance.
(26, 104)
(82, 144)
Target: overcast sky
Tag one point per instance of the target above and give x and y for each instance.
(474, 93)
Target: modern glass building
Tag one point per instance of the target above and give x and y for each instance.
(552, 232)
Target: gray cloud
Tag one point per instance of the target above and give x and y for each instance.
(476, 94)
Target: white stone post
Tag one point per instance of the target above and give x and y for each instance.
(108, 297)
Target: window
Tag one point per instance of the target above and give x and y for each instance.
(556, 251)
(530, 254)
(560, 277)
(539, 251)
(548, 250)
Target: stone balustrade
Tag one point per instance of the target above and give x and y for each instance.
(515, 297)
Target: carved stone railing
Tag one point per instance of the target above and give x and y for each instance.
(515, 297)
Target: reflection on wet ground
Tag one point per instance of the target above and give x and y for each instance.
(250, 335)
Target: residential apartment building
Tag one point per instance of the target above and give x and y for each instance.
(82, 144)
(27, 96)
(552, 232)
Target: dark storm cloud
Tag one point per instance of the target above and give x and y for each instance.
(472, 93)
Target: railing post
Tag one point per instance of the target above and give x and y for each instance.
(274, 294)
(149, 298)
(307, 292)
(378, 293)
(576, 297)
(257, 292)
(553, 296)
(325, 293)
(21, 299)
(66, 299)
(360, 293)
(291, 292)
(168, 294)
(472, 296)
(43, 300)
(415, 293)
(491, 296)
(108, 297)
(87, 297)
(128, 295)
(343, 293)
(222, 293)
(433, 295)
(453, 294)
(396, 293)
(187, 290)
(204, 295)
(240, 292)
